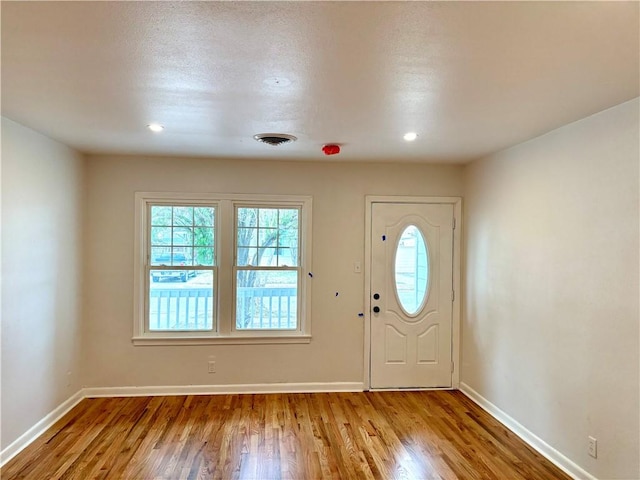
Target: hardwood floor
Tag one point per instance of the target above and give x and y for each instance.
(382, 435)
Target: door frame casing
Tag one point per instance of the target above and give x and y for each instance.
(457, 265)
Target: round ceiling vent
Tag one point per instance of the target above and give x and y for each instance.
(275, 139)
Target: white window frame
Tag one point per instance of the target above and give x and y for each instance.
(224, 331)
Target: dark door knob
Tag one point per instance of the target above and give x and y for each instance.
(376, 296)
(376, 309)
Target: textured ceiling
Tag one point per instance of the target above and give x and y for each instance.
(469, 77)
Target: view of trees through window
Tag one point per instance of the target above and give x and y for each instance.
(183, 267)
(266, 258)
(188, 230)
(182, 236)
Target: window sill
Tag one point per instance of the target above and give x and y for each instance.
(263, 340)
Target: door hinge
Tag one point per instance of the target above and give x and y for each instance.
(454, 223)
(452, 366)
(453, 295)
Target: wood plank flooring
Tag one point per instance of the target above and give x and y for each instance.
(381, 435)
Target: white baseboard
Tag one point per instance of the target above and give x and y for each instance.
(39, 428)
(535, 442)
(224, 389)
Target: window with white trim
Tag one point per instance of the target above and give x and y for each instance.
(266, 270)
(221, 268)
(181, 248)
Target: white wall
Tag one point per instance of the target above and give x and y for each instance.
(550, 333)
(336, 351)
(41, 254)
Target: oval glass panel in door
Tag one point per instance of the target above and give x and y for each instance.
(411, 270)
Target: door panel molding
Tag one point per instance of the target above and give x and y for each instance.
(370, 200)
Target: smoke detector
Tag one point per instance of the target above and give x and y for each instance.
(274, 139)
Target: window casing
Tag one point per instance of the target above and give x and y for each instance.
(222, 269)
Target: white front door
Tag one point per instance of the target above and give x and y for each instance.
(411, 295)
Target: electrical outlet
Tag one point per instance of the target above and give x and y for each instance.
(212, 366)
(593, 447)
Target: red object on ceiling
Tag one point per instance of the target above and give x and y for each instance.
(331, 149)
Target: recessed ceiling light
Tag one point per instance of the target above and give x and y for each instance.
(155, 127)
(410, 137)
